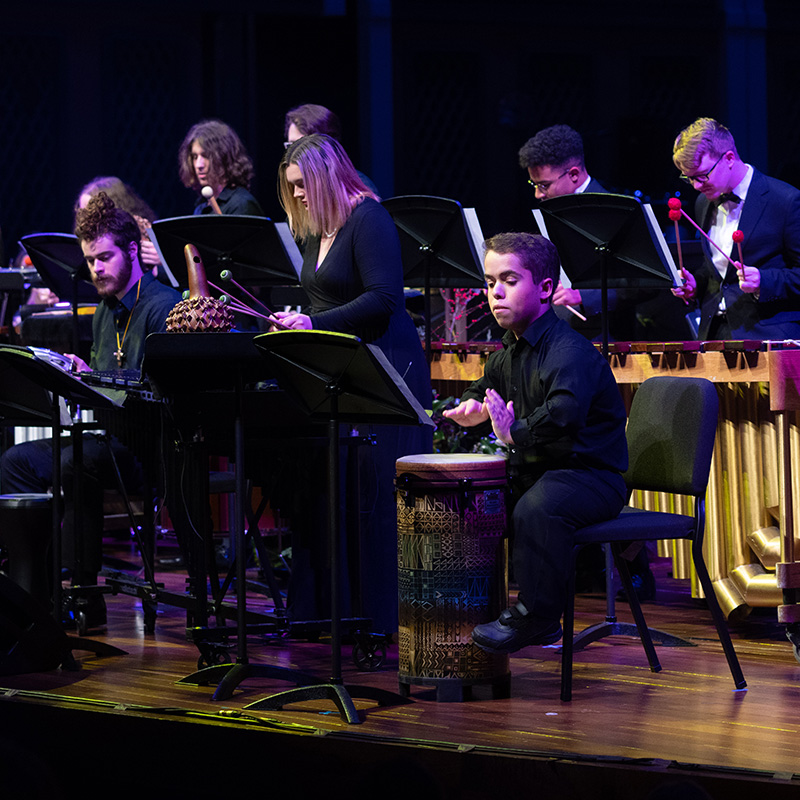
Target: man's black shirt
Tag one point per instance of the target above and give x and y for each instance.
(567, 407)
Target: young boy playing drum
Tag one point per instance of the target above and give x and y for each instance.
(551, 396)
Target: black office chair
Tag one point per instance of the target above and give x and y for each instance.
(671, 430)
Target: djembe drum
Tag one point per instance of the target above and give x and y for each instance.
(452, 554)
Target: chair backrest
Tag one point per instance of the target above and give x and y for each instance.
(671, 430)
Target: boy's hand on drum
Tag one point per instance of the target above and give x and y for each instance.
(468, 414)
(501, 414)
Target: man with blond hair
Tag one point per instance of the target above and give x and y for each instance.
(757, 296)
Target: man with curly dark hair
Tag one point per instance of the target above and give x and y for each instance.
(554, 160)
(212, 154)
(126, 198)
(133, 304)
(555, 165)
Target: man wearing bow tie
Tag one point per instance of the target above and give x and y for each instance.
(759, 298)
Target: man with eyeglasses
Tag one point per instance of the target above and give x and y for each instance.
(759, 299)
(311, 118)
(554, 160)
(555, 164)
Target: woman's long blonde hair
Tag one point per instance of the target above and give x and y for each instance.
(331, 183)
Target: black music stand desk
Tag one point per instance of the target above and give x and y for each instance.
(337, 378)
(607, 241)
(189, 368)
(441, 246)
(61, 265)
(258, 251)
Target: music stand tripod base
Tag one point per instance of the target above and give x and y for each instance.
(337, 378)
(341, 695)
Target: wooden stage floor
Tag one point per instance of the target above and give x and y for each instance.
(122, 725)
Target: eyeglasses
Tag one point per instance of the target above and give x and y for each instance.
(701, 177)
(543, 186)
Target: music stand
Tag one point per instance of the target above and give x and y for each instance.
(258, 251)
(441, 246)
(61, 265)
(30, 390)
(177, 366)
(609, 241)
(334, 377)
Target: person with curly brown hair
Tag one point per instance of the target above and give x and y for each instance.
(126, 198)
(212, 154)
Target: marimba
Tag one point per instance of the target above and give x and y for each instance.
(751, 522)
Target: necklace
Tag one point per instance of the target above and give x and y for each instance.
(119, 352)
(331, 234)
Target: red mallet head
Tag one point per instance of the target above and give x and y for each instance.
(675, 214)
(738, 237)
(674, 203)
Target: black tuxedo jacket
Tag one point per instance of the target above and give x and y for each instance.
(770, 223)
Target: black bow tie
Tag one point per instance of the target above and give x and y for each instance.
(728, 197)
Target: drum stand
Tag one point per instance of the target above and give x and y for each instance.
(326, 371)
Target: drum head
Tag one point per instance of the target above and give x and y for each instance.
(453, 466)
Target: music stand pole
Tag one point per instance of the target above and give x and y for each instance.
(331, 361)
(56, 533)
(229, 676)
(76, 334)
(334, 689)
(335, 542)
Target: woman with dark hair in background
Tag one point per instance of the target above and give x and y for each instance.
(311, 118)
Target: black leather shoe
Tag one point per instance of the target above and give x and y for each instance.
(514, 630)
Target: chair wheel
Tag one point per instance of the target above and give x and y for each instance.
(81, 623)
(369, 655)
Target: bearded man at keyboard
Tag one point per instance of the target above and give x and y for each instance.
(133, 305)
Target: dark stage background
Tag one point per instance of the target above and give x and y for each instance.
(435, 97)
